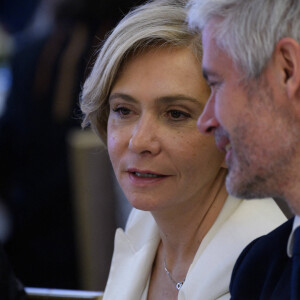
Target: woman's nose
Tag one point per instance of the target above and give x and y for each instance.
(207, 122)
(145, 137)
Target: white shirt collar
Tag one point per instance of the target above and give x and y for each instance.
(291, 238)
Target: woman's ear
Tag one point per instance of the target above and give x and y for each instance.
(287, 57)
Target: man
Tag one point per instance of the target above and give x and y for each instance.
(252, 63)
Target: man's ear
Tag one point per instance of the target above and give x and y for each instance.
(287, 53)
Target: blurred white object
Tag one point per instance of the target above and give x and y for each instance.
(43, 293)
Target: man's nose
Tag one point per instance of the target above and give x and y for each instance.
(207, 122)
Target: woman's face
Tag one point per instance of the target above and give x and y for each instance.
(158, 155)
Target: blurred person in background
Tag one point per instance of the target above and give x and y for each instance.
(10, 287)
(16, 15)
(48, 67)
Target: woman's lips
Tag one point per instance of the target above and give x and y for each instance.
(147, 175)
(139, 177)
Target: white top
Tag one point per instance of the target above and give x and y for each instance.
(145, 293)
(239, 222)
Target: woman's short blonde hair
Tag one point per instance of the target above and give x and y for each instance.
(158, 23)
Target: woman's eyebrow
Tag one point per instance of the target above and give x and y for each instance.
(178, 97)
(122, 96)
(164, 99)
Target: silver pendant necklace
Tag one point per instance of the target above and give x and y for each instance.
(177, 284)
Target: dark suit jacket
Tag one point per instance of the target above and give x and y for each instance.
(263, 270)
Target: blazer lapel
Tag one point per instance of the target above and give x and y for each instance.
(238, 224)
(130, 267)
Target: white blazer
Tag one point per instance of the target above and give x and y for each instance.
(239, 222)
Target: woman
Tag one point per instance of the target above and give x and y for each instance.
(143, 98)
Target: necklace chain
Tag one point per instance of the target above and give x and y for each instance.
(177, 284)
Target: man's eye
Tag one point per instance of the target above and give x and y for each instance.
(211, 84)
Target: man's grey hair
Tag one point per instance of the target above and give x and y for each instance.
(247, 30)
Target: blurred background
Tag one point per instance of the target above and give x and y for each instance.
(59, 201)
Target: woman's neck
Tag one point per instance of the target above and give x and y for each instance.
(183, 229)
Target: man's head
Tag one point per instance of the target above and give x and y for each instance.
(251, 60)
(247, 30)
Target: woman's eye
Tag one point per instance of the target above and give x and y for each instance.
(122, 111)
(178, 115)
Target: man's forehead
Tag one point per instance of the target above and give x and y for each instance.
(215, 61)
(210, 48)
(211, 26)
(208, 33)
